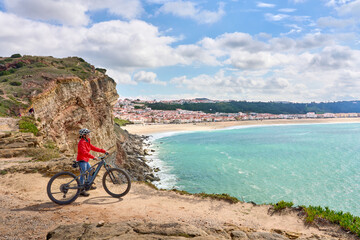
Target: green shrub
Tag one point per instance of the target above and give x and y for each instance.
(16, 55)
(345, 220)
(26, 124)
(4, 73)
(223, 196)
(122, 122)
(102, 70)
(282, 205)
(3, 172)
(20, 64)
(5, 80)
(15, 83)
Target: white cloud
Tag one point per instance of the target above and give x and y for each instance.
(251, 61)
(71, 13)
(187, 9)
(287, 10)
(314, 66)
(349, 8)
(334, 3)
(120, 77)
(147, 77)
(265, 5)
(275, 17)
(294, 29)
(64, 11)
(121, 47)
(335, 23)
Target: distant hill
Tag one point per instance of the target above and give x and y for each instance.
(23, 77)
(264, 107)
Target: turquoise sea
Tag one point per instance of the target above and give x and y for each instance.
(314, 164)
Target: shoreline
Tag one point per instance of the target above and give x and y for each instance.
(168, 180)
(206, 126)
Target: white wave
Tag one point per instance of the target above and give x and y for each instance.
(167, 179)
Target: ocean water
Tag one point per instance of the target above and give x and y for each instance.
(314, 164)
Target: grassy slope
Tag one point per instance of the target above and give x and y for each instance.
(28, 75)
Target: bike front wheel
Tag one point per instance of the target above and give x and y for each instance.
(116, 182)
(63, 188)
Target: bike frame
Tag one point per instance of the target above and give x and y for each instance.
(89, 179)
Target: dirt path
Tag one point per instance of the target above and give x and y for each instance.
(8, 124)
(27, 213)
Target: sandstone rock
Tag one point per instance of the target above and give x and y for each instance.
(290, 235)
(131, 230)
(239, 235)
(265, 236)
(100, 224)
(69, 104)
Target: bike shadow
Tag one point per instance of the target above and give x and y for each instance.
(102, 200)
(42, 207)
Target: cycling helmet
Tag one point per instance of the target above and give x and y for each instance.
(83, 132)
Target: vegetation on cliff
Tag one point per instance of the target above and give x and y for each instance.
(346, 220)
(23, 77)
(264, 107)
(27, 124)
(122, 122)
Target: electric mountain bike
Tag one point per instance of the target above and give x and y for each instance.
(64, 187)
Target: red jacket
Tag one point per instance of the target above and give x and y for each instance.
(84, 148)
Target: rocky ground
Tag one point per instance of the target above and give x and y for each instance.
(145, 213)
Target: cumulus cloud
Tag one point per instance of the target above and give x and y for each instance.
(334, 58)
(121, 47)
(147, 77)
(187, 9)
(71, 13)
(349, 8)
(313, 66)
(237, 86)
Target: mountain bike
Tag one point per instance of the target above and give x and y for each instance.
(64, 187)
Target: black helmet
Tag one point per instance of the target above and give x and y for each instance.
(83, 132)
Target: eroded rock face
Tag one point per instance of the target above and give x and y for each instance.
(170, 230)
(69, 104)
(129, 230)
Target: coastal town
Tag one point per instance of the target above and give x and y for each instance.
(136, 111)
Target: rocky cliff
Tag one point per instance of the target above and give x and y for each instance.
(67, 94)
(70, 104)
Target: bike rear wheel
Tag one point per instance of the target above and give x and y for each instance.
(116, 182)
(63, 188)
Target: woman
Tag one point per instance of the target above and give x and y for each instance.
(84, 148)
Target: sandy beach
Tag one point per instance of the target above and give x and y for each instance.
(162, 128)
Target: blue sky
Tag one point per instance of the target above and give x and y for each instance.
(275, 50)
